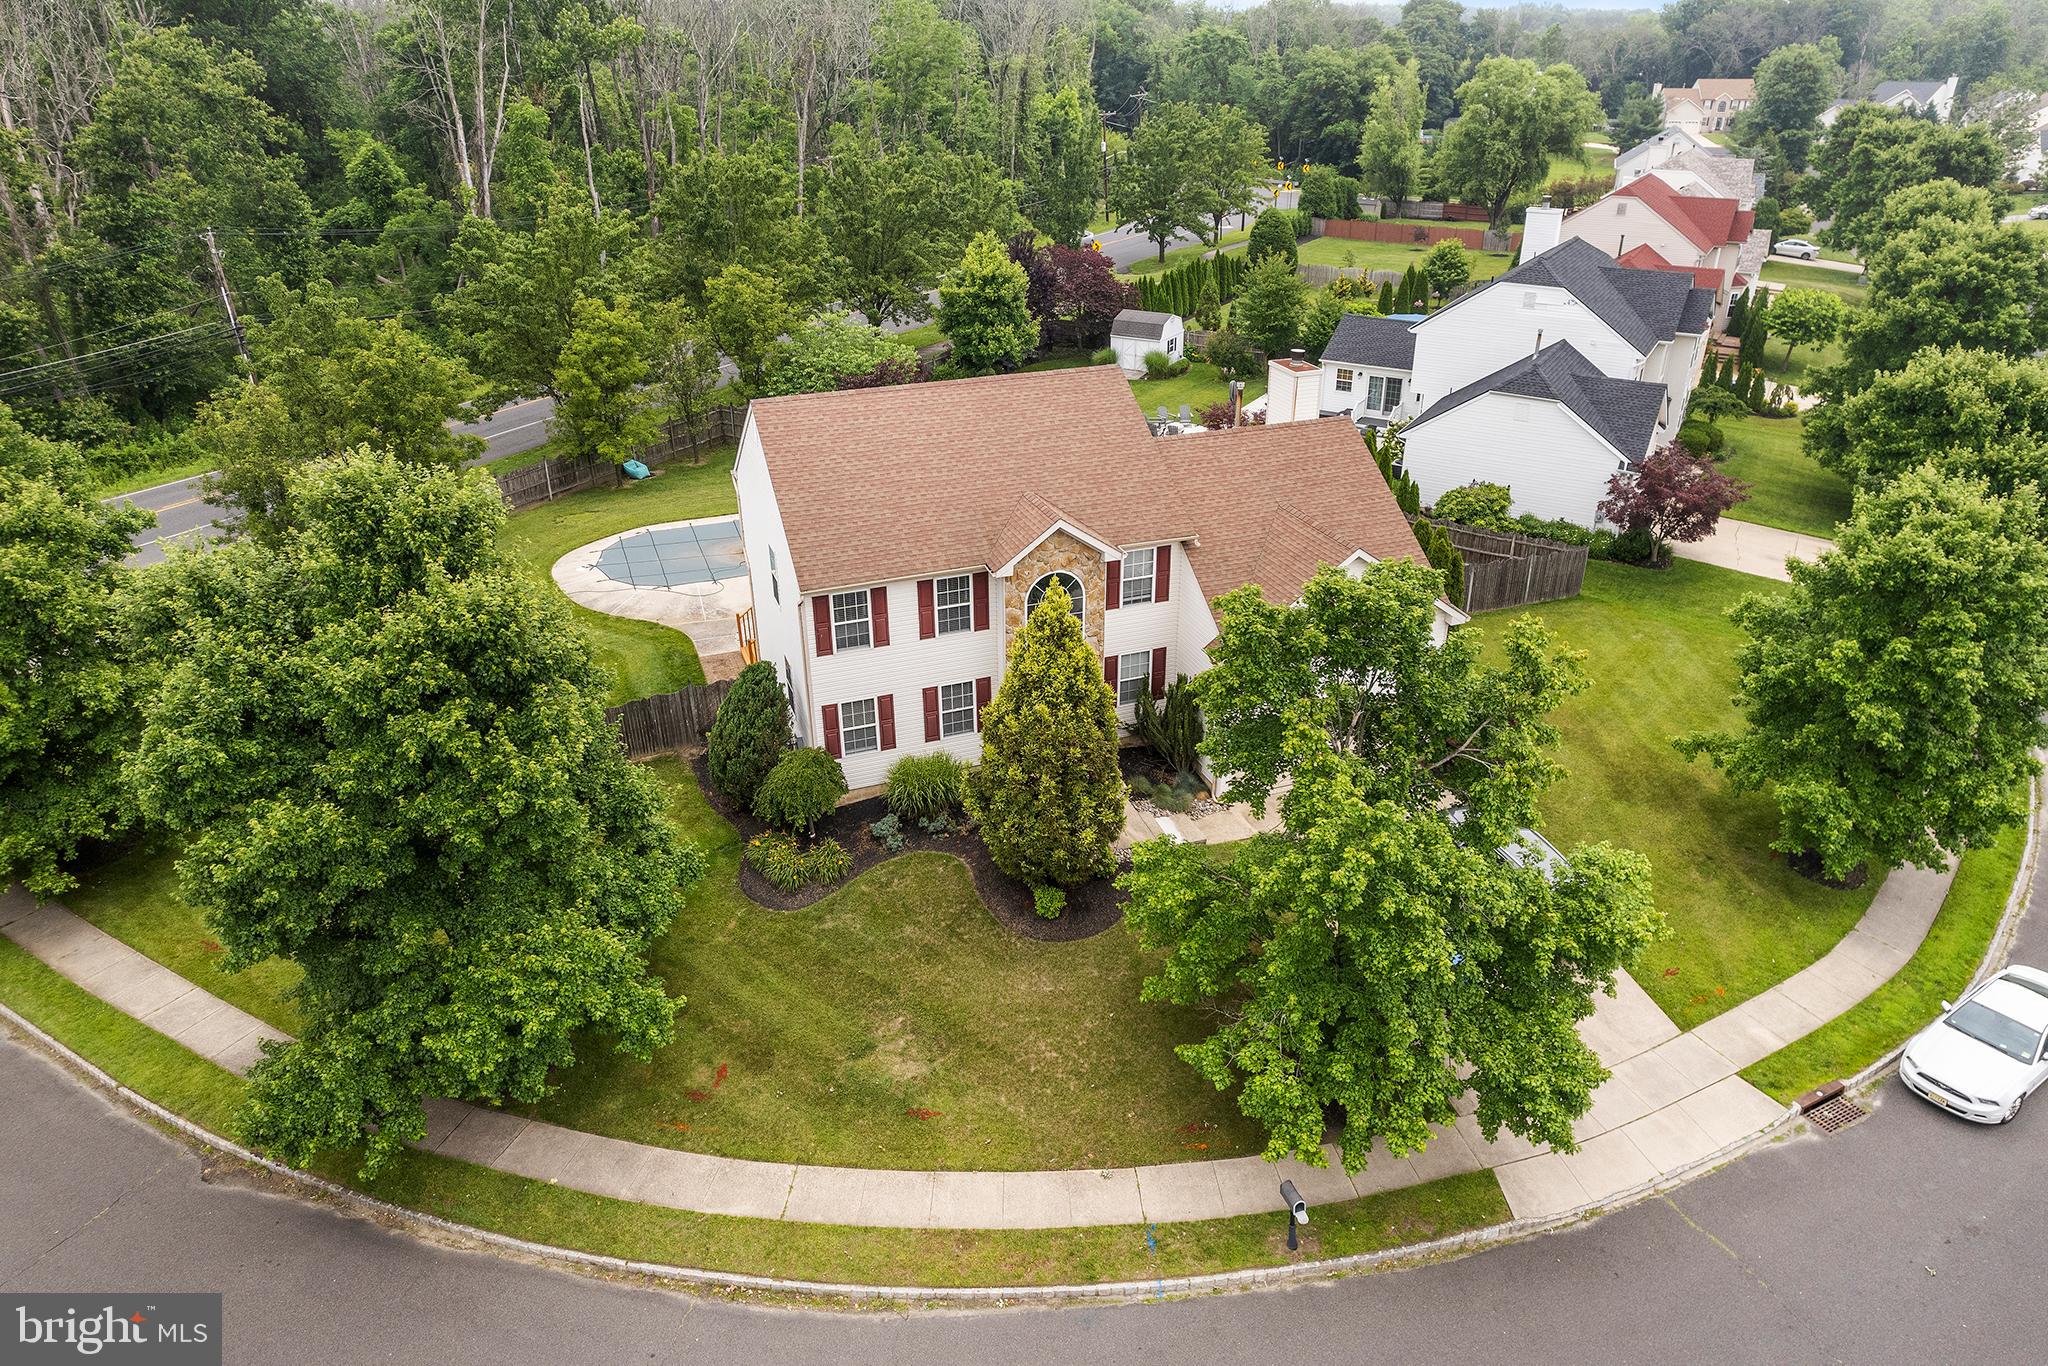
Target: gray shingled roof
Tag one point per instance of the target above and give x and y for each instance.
(1383, 343)
(1699, 311)
(1136, 322)
(1623, 411)
(1921, 91)
(1643, 306)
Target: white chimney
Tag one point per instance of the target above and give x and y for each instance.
(1542, 229)
(1294, 389)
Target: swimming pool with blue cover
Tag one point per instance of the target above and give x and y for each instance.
(675, 556)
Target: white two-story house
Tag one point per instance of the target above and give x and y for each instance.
(896, 538)
(1693, 230)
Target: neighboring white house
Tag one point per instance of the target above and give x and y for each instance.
(1647, 325)
(896, 537)
(1707, 106)
(1915, 97)
(1684, 229)
(1691, 165)
(1137, 333)
(1655, 151)
(1551, 426)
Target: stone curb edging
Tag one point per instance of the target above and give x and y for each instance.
(1471, 1240)
(2000, 945)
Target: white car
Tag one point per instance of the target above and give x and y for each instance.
(2038, 211)
(1987, 1054)
(1797, 247)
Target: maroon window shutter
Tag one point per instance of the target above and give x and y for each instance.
(1109, 671)
(885, 716)
(1162, 573)
(821, 617)
(980, 601)
(1115, 596)
(832, 729)
(931, 714)
(927, 613)
(1158, 671)
(982, 687)
(878, 610)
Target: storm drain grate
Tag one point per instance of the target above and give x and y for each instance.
(1837, 1114)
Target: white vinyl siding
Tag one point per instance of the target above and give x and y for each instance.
(1556, 466)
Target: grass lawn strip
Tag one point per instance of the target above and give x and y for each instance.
(1788, 489)
(153, 1066)
(643, 657)
(1201, 386)
(1940, 970)
(1779, 273)
(162, 474)
(1345, 251)
(1660, 662)
(1175, 256)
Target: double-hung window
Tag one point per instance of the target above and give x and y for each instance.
(1137, 575)
(1133, 677)
(953, 604)
(1344, 378)
(956, 708)
(851, 628)
(860, 727)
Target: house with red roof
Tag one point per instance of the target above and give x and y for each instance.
(1714, 237)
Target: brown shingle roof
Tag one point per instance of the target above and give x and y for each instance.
(917, 479)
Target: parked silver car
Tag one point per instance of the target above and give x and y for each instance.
(1798, 248)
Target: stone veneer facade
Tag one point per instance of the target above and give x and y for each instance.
(1058, 551)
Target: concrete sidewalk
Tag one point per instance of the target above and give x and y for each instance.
(1753, 548)
(1674, 1099)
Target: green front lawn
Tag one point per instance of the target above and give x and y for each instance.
(1588, 162)
(1660, 660)
(1779, 368)
(1939, 970)
(643, 658)
(1779, 273)
(1344, 251)
(1201, 386)
(1787, 489)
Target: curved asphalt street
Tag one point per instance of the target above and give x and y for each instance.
(1911, 1236)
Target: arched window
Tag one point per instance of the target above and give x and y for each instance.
(1066, 581)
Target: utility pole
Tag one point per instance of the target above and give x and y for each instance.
(227, 302)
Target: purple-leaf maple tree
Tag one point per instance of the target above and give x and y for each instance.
(1676, 495)
(1074, 294)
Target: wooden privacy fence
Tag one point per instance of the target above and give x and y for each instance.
(668, 722)
(1507, 569)
(1414, 234)
(546, 479)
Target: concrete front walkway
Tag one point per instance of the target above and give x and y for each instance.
(1752, 548)
(1674, 1100)
(708, 613)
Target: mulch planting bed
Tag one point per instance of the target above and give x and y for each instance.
(1092, 907)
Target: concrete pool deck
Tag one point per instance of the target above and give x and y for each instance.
(707, 612)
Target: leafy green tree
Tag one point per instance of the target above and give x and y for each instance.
(1512, 119)
(67, 705)
(1872, 152)
(345, 738)
(327, 381)
(1047, 794)
(1977, 412)
(827, 350)
(1269, 311)
(685, 365)
(985, 309)
(1446, 266)
(1435, 30)
(606, 410)
(1793, 85)
(1945, 274)
(800, 790)
(746, 314)
(1274, 234)
(749, 734)
(1807, 317)
(735, 208)
(1154, 188)
(1227, 169)
(1372, 956)
(1390, 147)
(517, 303)
(1894, 695)
(1063, 166)
(1640, 118)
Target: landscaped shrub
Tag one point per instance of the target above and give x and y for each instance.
(1157, 364)
(1444, 557)
(1174, 730)
(1106, 356)
(1234, 356)
(1049, 901)
(1484, 506)
(1180, 367)
(1711, 401)
(889, 830)
(1634, 546)
(750, 732)
(789, 867)
(1273, 234)
(800, 790)
(1701, 437)
(922, 786)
